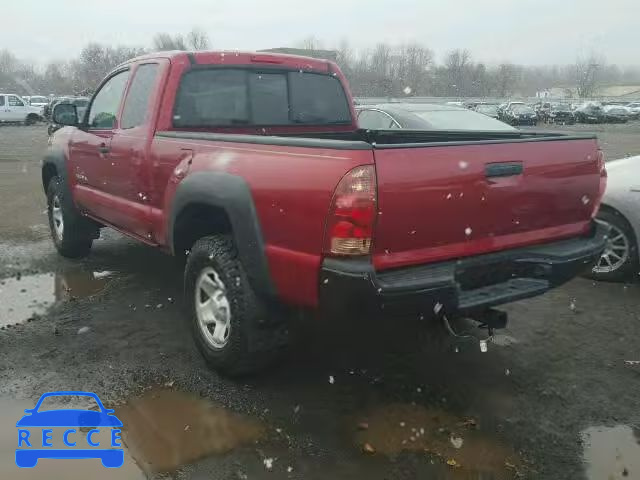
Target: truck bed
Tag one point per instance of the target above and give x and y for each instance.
(452, 194)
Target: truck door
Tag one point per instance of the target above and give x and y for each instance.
(4, 109)
(90, 146)
(128, 168)
(16, 109)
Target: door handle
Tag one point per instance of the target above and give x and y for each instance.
(103, 148)
(506, 169)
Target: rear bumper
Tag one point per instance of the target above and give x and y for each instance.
(460, 286)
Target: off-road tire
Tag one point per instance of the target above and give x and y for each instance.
(256, 336)
(78, 232)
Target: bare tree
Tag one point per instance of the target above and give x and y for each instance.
(457, 64)
(95, 61)
(385, 70)
(410, 66)
(310, 43)
(506, 79)
(198, 40)
(587, 74)
(166, 41)
(344, 56)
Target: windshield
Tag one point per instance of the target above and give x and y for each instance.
(522, 109)
(80, 102)
(561, 107)
(38, 100)
(487, 109)
(461, 120)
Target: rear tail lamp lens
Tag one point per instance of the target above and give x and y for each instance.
(352, 213)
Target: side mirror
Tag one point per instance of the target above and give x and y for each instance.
(65, 114)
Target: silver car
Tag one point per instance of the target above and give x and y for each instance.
(621, 211)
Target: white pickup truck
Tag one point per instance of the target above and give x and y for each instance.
(14, 109)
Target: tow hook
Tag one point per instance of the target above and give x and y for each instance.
(490, 318)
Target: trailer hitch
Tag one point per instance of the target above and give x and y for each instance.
(489, 318)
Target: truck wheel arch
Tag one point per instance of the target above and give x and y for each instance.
(227, 201)
(53, 165)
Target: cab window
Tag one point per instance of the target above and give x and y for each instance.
(104, 107)
(15, 101)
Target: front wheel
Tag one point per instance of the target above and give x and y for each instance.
(72, 235)
(619, 261)
(232, 327)
(31, 119)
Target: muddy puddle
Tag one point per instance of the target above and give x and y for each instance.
(165, 429)
(612, 453)
(26, 296)
(457, 443)
(77, 469)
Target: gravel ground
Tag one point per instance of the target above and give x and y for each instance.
(345, 399)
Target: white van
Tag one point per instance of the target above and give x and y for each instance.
(14, 109)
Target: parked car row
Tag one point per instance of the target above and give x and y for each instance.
(28, 110)
(588, 112)
(15, 109)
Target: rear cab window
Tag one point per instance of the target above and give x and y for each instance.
(227, 97)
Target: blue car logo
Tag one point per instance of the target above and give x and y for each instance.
(35, 433)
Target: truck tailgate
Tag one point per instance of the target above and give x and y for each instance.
(437, 202)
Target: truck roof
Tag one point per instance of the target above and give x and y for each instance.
(239, 58)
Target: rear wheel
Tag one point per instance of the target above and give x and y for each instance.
(619, 261)
(233, 328)
(72, 234)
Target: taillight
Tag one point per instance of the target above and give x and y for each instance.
(602, 169)
(352, 213)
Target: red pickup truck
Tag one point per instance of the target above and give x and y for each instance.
(253, 165)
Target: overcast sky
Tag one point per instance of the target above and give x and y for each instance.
(522, 31)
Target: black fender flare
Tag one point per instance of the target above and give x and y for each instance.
(232, 194)
(56, 158)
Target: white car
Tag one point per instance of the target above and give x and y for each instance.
(15, 109)
(634, 108)
(620, 209)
